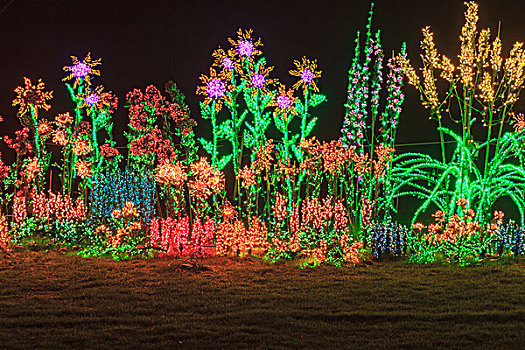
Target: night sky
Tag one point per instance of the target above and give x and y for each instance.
(151, 42)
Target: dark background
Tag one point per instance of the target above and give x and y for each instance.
(151, 42)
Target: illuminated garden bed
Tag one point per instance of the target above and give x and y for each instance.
(261, 184)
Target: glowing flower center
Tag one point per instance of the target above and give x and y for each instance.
(258, 80)
(283, 102)
(92, 99)
(80, 70)
(216, 88)
(227, 63)
(307, 76)
(245, 48)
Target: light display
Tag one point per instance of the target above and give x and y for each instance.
(111, 190)
(369, 132)
(157, 124)
(4, 234)
(167, 236)
(457, 237)
(258, 80)
(30, 98)
(173, 236)
(245, 48)
(215, 88)
(293, 196)
(122, 230)
(388, 238)
(57, 207)
(92, 99)
(510, 239)
(82, 70)
(94, 107)
(471, 87)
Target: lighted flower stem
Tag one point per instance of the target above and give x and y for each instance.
(236, 122)
(215, 89)
(306, 71)
(34, 117)
(377, 80)
(71, 169)
(370, 131)
(210, 112)
(255, 132)
(81, 72)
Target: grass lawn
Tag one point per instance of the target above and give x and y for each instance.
(52, 300)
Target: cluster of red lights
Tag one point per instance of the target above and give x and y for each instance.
(173, 236)
(19, 209)
(57, 206)
(4, 233)
(455, 227)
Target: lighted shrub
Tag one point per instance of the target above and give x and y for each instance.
(173, 236)
(387, 239)
(510, 239)
(112, 189)
(5, 237)
(157, 124)
(455, 238)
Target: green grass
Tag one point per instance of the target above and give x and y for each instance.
(52, 300)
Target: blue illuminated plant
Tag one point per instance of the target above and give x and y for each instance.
(387, 238)
(510, 240)
(112, 189)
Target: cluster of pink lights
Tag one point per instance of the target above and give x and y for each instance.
(227, 63)
(307, 76)
(92, 99)
(283, 102)
(216, 88)
(80, 70)
(258, 80)
(246, 48)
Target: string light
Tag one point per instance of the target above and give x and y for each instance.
(298, 198)
(488, 98)
(4, 233)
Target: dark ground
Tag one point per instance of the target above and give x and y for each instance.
(56, 301)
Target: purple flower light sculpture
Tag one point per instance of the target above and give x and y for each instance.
(227, 63)
(283, 102)
(216, 88)
(80, 70)
(246, 48)
(258, 80)
(307, 76)
(92, 99)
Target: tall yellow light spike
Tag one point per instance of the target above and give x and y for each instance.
(427, 44)
(448, 69)
(514, 66)
(495, 55)
(486, 88)
(483, 48)
(430, 90)
(408, 70)
(468, 44)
